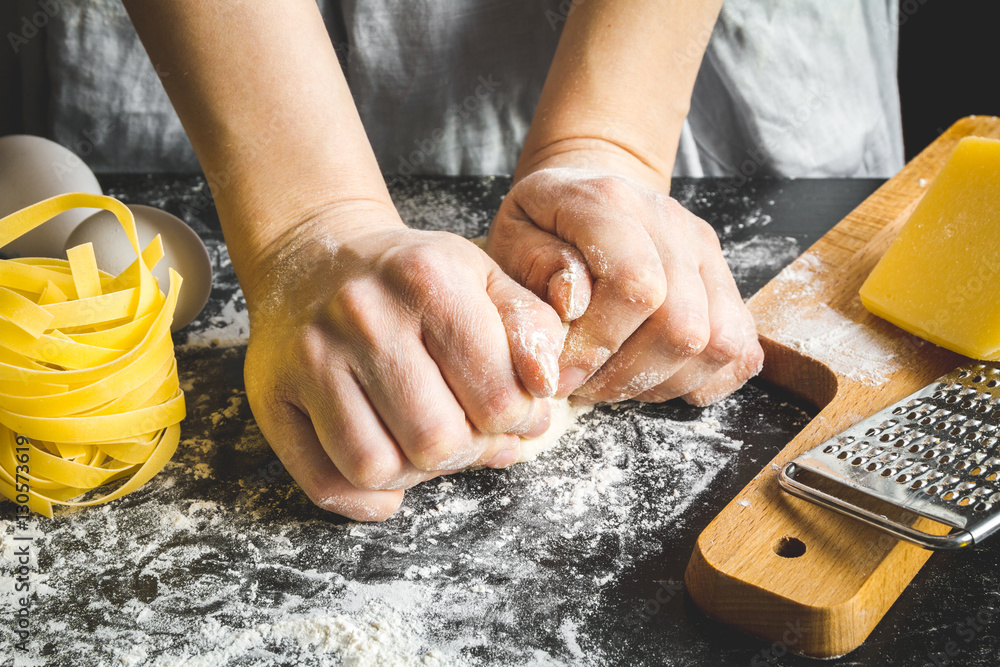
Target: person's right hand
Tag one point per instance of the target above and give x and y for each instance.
(391, 356)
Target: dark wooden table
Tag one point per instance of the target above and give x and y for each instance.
(577, 558)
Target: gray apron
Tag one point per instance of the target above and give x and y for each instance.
(787, 87)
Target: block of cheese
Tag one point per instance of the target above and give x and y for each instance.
(940, 278)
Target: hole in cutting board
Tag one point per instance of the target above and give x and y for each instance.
(790, 547)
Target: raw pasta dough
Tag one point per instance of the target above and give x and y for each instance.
(563, 419)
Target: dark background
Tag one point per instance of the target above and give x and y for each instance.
(948, 60)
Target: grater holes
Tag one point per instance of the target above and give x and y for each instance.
(975, 472)
(900, 410)
(857, 461)
(872, 467)
(944, 459)
(964, 373)
(904, 478)
(965, 502)
(843, 456)
(932, 489)
(951, 400)
(981, 506)
(917, 484)
(979, 379)
(993, 383)
(885, 437)
(950, 495)
(887, 472)
(830, 449)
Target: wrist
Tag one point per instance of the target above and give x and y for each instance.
(310, 235)
(596, 154)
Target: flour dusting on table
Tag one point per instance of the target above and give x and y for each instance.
(222, 560)
(486, 567)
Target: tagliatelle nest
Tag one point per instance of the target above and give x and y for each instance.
(88, 380)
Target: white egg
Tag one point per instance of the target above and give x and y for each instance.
(183, 251)
(33, 169)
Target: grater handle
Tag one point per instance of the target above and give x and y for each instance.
(955, 540)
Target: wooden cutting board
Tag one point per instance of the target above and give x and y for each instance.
(777, 566)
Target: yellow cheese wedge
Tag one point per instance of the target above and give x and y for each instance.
(940, 278)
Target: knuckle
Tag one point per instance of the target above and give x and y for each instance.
(370, 472)
(608, 189)
(353, 311)
(724, 347)
(501, 411)
(645, 286)
(440, 447)
(415, 268)
(687, 336)
(706, 234)
(751, 363)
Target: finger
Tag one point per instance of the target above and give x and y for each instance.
(729, 379)
(629, 283)
(534, 334)
(732, 342)
(354, 437)
(548, 266)
(294, 440)
(665, 343)
(464, 333)
(396, 370)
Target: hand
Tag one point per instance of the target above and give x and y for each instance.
(655, 311)
(391, 356)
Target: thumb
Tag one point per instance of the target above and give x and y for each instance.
(534, 333)
(548, 266)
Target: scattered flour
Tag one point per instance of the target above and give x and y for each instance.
(848, 348)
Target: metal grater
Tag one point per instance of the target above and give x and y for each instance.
(935, 453)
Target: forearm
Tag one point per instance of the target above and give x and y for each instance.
(262, 97)
(620, 87)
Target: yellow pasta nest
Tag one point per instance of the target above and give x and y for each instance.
(88, 380)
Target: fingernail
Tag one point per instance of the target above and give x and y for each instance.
(504, 459)
(548, 363)
(571, 378)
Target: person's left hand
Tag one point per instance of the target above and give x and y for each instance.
(654, 310)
